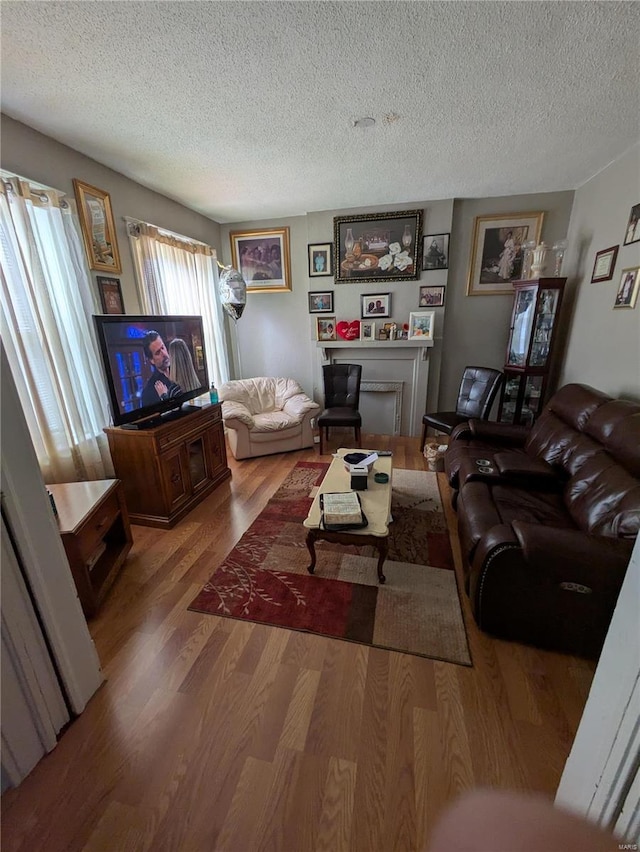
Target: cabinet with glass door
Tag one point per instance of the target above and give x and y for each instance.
(532, 334)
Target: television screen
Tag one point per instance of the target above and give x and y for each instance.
(152, 364)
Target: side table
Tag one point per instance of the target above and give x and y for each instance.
(96, 534)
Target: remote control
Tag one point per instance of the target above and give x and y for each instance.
(385, 453)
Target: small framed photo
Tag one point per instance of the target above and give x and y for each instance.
(632, 234)
(375, 305)
(326, 328)
(367, 330)
(628, 290)
(391, 329)
(110, 295)
(320, 259)
(321, 302)
(431, 297)
(604, 264)
(435, 251)
(421, 325)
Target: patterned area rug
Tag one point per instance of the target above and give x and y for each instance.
(417, 611)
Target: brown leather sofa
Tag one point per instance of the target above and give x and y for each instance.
(548, 517)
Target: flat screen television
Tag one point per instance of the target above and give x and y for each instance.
(152, 365)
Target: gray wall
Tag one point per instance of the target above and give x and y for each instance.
(476, 328)
(40, 158)
(277, 335)
(603, 344)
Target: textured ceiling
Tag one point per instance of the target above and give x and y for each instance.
(244, 110)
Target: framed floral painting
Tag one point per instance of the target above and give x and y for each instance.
(378, 247)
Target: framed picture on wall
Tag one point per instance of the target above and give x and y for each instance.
(375, 305)
(497, 253)
(320, 260)
(604, 264)
(110, 295)
(431, 297)
(378, 246)
(262, 257)
(632, 234)
(321, 302)
(628, 289)
(435, 252)
(98, 228)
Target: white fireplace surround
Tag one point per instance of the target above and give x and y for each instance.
(398, 367)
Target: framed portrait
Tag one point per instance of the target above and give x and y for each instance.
(110, 295)
(367, 330)
(431, 297)
(320, 260)
(378, 247)
(321, 302)
(421, 325)
(375, 305)
(98, 228)
(604, 264)
(632, 234)
(628, 289)
(497, 251)
(263, 259)
(326, 328)
(435, 251)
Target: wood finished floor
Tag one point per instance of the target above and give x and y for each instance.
(214, 734)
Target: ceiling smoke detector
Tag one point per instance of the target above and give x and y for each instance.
(366, 121)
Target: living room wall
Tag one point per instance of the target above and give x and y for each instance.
(285, 317)
(603, 344)
(39, 158)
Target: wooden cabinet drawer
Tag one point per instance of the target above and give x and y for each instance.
(94, 528)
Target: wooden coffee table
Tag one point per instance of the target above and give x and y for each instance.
(376, 504)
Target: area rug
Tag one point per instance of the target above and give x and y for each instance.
(417, 611)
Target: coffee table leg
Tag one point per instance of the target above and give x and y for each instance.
(383, 549)
(311, 540)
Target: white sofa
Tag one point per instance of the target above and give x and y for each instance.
(266, 415)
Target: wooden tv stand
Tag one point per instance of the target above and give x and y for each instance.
(168, 469)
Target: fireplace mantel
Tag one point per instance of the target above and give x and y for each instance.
(389, 366)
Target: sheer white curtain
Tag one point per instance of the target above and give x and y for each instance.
(178, 276)
(46, 306)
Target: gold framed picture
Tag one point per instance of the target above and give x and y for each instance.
(98, 228)
(263, 259)
(497, 251)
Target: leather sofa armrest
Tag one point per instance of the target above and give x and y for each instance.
(297, 406)
(501, 433)
(574, 557)
(235, 413)
(460, 432)
(523, 470)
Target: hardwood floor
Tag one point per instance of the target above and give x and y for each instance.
(217, 734)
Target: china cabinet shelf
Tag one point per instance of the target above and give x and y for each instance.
(532, 335)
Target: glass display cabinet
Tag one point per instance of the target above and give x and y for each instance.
(536, 307)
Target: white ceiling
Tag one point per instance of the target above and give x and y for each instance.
(244, 110)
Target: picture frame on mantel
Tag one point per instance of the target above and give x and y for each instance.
(98, 227)
(378, 247)
(497, 251)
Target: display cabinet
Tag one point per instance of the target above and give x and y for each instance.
(532, 335)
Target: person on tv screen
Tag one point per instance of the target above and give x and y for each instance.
(159, 386)
(181, 369)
